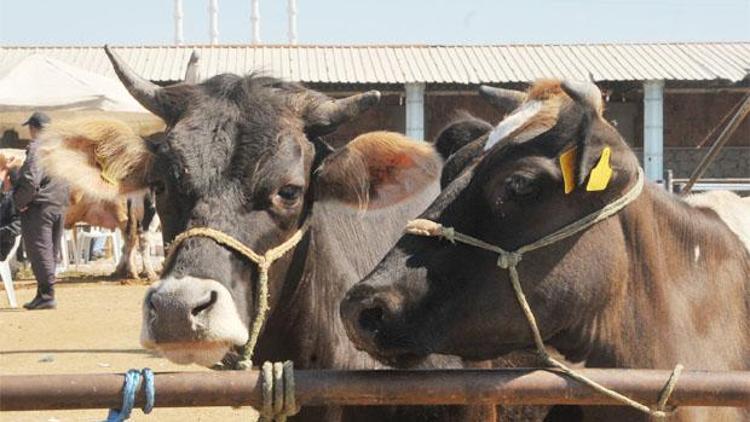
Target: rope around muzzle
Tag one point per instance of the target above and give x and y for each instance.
(509, 260)
(277, 378)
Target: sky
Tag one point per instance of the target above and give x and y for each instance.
(150, 22)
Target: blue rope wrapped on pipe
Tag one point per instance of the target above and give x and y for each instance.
(132, 383)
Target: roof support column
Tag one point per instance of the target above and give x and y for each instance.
(415, 110)
(255, 21)
(653, 129)
(178, 37)
(292, 10)
(213, 21)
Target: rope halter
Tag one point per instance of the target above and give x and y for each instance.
(263, 262)
(278, 378)
(509, 260)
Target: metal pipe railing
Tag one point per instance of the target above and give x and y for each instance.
(387, 387)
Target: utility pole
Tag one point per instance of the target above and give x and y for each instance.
(213, 21)
(255, 21)
(178, 38)
(292, 9)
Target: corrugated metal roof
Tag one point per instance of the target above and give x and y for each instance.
(441, 64)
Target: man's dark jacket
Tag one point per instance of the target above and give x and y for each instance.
(34, 188)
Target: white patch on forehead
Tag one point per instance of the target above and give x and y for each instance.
(514, 121)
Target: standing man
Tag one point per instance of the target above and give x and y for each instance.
(41, 202)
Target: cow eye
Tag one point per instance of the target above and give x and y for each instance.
(289, 194)
(520, 186)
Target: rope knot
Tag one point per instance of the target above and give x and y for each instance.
(424, 227)
(277, 386)
(508, 259)
(131, 385)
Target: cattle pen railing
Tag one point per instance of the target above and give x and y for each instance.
(386, 387)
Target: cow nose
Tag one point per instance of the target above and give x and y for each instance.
(210, 301)
(371, 319)
(191, 310)
(366, 313)
(161, 303)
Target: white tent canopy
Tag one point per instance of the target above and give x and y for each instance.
(38, 82)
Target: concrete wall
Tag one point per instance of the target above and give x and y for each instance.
(732, 162)
(688, 118)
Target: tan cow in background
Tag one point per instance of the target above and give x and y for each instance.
(111, 213)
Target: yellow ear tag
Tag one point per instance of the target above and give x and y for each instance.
(600, 175)
(567, 166)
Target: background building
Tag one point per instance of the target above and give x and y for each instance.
(666, 99)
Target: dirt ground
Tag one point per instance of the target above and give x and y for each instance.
(95, 329)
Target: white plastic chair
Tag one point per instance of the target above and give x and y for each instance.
(69, 240)
(156, 243)
(7, 276)
(67, 251)
(85, 239)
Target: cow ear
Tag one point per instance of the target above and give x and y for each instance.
(102, 158)
(590, 149)
(463, 130)
(378, 169)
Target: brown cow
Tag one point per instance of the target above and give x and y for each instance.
(243, 155)
(126, 214)
(130, 215)
(662, 282)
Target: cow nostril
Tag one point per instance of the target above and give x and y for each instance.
(202, 307)
(150, 301)
(371, 319)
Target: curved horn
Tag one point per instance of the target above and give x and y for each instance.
(144, 91)
(191, 73)
(585, 93)
(325, 116)
(505, 99)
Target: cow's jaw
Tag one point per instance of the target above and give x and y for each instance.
(203, 353)
(191, 320)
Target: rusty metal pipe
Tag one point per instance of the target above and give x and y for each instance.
(509, 386)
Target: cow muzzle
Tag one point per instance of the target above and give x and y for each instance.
(191, 320)
(367, 313)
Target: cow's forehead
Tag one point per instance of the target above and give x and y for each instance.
(477, 169)
(202, 149)
(450, 196)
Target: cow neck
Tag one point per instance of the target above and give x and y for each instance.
(676, 270)
(509, 260)
(263, 261)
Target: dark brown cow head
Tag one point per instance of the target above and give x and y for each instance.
(432, 296)
(242, 155)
